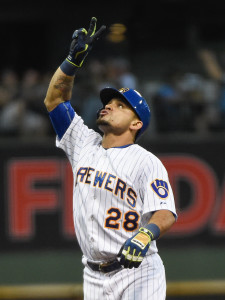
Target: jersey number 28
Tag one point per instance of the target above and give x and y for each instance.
(130, 219)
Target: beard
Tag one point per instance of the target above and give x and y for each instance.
(102, 124)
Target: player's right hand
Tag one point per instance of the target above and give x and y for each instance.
(82, 41)
(135, 248)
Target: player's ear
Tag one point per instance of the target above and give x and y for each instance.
(136, 124)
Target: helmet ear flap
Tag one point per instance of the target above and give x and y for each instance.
(98, 112)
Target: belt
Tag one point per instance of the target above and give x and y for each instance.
(105, 267)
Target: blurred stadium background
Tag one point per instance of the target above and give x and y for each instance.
(173, 52)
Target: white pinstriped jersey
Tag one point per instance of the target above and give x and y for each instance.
(115, 191)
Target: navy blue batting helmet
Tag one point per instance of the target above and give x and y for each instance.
(134, 98)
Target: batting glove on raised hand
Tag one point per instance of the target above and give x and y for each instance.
(135, 248)
(81, 45)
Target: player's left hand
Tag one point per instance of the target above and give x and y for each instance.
(82, 42)
(135, 248)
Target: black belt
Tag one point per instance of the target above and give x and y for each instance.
(105, 267)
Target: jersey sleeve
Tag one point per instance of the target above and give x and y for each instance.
(157, 191)
(61, 117)
(76, 136)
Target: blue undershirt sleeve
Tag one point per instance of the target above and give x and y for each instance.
(61, 118)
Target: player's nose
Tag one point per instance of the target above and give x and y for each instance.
(108, 106)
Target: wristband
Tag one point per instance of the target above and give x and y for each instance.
(153, 230)
(68, 68)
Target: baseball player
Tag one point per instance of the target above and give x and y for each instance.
(122, 198)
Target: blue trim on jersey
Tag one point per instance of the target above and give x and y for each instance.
(125, 146)
(61, 118)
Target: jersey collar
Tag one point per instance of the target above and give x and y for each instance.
(124, 146)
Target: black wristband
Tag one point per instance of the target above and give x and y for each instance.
(68, 68)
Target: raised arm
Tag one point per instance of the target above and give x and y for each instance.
(61, 84)
(60, 89)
